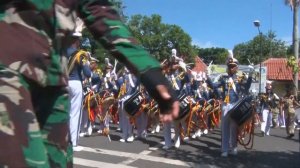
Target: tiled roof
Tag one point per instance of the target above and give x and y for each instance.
(277, 69)
(199, 65)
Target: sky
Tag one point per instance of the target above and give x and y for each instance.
(219, 23)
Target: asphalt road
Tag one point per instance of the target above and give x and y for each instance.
(268, 152)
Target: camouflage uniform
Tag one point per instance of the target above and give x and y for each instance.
(290, 119)
(33, 78)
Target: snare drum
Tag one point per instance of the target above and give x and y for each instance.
(184, 106)
(133, 103)
(86, 90)
(242, 110)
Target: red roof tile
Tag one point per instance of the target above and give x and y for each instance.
(277, 69)
(200, 66)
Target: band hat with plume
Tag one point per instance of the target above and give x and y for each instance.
(174, 52)
(93, 59)
(231, 61)
(79, 25)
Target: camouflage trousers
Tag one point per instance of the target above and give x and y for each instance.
(290, 123)
(33, 123)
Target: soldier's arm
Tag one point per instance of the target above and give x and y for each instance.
(105, 24)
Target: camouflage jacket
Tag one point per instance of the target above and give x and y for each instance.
(34, 36)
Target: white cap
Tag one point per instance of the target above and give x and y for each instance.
(269, 82)
(94, 59)
(106, 60)
(77, 34)
(174, 52)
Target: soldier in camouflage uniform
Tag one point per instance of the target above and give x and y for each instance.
(33, 75)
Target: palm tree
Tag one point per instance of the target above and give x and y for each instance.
(294, 4)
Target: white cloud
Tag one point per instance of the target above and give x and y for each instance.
(207, 44)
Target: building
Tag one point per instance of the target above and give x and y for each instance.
(279, 74)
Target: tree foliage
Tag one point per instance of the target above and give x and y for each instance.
(260, 48)
(159, 38)
(292, 63)
(215, 54)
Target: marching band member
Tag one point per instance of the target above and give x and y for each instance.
(78, 63)
(177, 77)
(267, 101)
(142, 119)
(95, 83)
(108, 74)
(126, 127)
(231, 94)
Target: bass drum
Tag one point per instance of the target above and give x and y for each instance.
(242, 110)
(184, 106)
(133, 103)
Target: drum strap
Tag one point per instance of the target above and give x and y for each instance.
(76, 59)
(231, 85)
(174, 83)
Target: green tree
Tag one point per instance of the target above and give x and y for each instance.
(159, 38)
(251, 50)
(217, 55)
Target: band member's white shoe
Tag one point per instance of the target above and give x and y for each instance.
(130, 139)
(77, 148)
(198, 133)
(82, 134)
(185, 139)
(205, 131)
(122, 140)
(157, 129)
(90, 131)
(177, 143)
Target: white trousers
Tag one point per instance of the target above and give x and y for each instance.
(141, 123)
(229, 130)
(281, 119)
(126, 127)
(85, 123)
(266, 123)
(167, 134)
(75, 92)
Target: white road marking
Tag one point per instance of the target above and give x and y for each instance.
(131, 160)
(135, 156)
(92, 163)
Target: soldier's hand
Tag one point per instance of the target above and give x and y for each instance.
(161, 91)
(172, 112)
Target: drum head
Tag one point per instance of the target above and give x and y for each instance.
(242, 110)
(133, 104)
